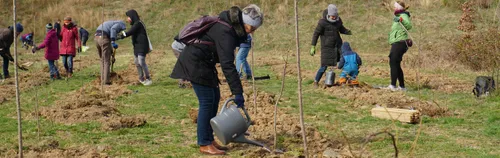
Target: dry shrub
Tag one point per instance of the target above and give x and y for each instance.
(477, 50)
(458, 3)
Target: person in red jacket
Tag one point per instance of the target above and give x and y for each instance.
(51, 45)
(69, 40)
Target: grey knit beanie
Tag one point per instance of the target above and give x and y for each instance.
(332, 11)
(252, 15)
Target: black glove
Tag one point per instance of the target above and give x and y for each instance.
(79, 49)
(239, 100)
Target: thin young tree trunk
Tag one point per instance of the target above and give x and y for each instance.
(18, 98)
(278, 100)
(299, 80)
(253, 79)
(37, 114)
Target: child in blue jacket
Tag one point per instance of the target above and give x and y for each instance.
(349, 63)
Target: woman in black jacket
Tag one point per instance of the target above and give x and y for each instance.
(197, 64)
(329, 28)
(141, 44)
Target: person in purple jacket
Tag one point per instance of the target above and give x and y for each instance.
(51, 46)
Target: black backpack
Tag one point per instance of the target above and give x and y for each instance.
(190, 33)
(484, 85)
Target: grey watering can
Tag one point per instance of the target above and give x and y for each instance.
(330, 78)
(230, 126)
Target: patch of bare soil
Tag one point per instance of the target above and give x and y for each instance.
(30, 79)
(366, 95)
(287, 126)
(51, 149)
(123, 122)
(90, 103)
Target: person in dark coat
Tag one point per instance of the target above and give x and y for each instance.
(197, 64)
(141, 43)
(57, 26)
(329, 28)
(6, 40)
(84, 36)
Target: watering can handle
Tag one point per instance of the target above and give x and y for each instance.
(226, 105)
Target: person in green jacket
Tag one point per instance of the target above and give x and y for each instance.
(398, 38)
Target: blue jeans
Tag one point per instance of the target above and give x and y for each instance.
(68, 63)
(5, 67)
(54, 73)
(352, 73)
(241, 58)
(208, 98)
(320, 73)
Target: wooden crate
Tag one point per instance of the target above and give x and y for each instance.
(403, 115)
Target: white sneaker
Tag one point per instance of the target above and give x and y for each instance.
(402, 89)
(142, 82)
(392, 88)
(147, 82)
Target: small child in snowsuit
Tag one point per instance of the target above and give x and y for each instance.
(27, 40)
(51, 46)
(349, 63)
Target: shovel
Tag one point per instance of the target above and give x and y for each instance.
(113, 60)
(256, 78)
(8, 56)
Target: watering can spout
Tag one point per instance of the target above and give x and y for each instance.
(242, 139)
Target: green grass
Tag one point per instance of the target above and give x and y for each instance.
(472, 129)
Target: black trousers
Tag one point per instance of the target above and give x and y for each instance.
(398, 49)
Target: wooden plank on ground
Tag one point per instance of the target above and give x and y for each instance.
(403, 115)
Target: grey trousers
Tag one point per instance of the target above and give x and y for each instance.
(142, 68)
(105, 51)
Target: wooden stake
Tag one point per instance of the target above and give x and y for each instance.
(18, 101)
(299, 80)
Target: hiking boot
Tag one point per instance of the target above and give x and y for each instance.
(315, 84)
(249, 77)
(392, 88)
(342, 80)
(147, 82)
(354, 82)
(70, 75)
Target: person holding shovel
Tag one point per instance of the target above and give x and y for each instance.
(398, 38)
(70, 39)
(6, 40)
(105, 37)
(51, 45)
(329, 28)
(197, 64)
(142, 45)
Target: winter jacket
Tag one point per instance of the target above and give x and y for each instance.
(247, 43)
(138, 32)
(197, 61)
(111, 28)
(27, 37)
(69, 34)
(51, 45)
(398, 33)
(350, 60)
(330, 39)
(83, 33)
(6, 40)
